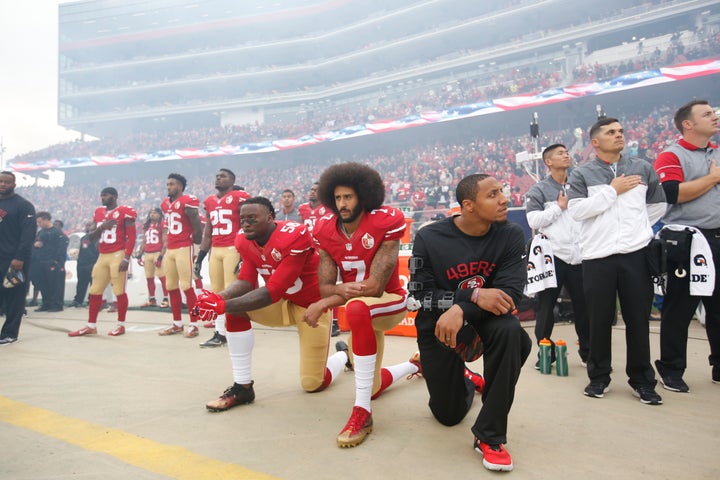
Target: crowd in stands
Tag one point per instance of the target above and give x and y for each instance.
(421, 178)
(489, 85)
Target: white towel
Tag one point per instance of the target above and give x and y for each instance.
(541, 266)
(702, 266)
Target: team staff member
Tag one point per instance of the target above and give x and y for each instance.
(115, 229)
(87, 256)
(546, 209)
(617, 200)
(360, 241)
(282, 254)
(690, 175)
(183, 229)
(470, 267)
(17, 234)
(221, 228)
(50, 252)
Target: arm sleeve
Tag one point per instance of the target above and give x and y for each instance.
(27, 235)
(287, 274)
(672, 189)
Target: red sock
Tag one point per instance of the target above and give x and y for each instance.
(94, 304)
(198, 283)
(164, 287)
(190, 298)
(386, 380)
(176, 304)
(122, 305)
(151, 286)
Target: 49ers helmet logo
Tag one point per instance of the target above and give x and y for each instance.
(368, 241)
(473, 282)
(276, 255)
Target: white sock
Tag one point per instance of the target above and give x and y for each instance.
(401, 370)
(240, 346)
(178, 323)
(336, 363)
(220, 324)
(364, 375)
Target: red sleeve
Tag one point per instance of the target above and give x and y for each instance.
(392, 222)
(667, 166)
(131, 235)
(286, 274)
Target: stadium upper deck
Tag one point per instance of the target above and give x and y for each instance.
(172, 64)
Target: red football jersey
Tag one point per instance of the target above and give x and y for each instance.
(311, 215)
(179, 229)
(224, 214)
(287, 262)
(113, 239)
(153, 238)
(353, 256)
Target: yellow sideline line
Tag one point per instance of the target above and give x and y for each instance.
(173, 462)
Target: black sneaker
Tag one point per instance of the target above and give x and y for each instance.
(716, 374)
(7, 340)
(217, 340)
(235, 395)
(335, 331)
(647, 395)
(341, 346)
(674, 384)
(596, 389)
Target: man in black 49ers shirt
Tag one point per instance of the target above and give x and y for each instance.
(468, 273)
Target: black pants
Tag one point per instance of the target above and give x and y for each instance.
(677, 312)
(52, 286)
(13, 299)
(507, 346)
(84, 275)
(572, 278)
(625, 276)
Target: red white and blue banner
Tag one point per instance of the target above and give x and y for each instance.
(625, 82)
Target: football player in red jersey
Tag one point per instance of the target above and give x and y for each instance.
(360, 238)
(310, 211)
(223, 212)
(148, 256)
(183, 228)
(115, 229)
(282, 254)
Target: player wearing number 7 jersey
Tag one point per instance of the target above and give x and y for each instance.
(361, 240)
(283, 255)
(115, 229)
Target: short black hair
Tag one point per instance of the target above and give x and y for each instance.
(601, 123)
(179, 178)
(7, 172)
(685, 111)
(366, 182)
(228, 171)
(59, 223)
(546, 153)
(109, 190)
(287, 190)
(261, 201)
(467, 188)
(43, 215)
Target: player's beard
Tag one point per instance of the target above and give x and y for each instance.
(354, 214)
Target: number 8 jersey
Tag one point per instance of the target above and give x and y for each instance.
(113, 239)
(355, 255)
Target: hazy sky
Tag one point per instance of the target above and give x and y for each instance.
(28, 76)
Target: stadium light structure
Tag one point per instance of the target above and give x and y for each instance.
(600, 112)
(529, 160)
